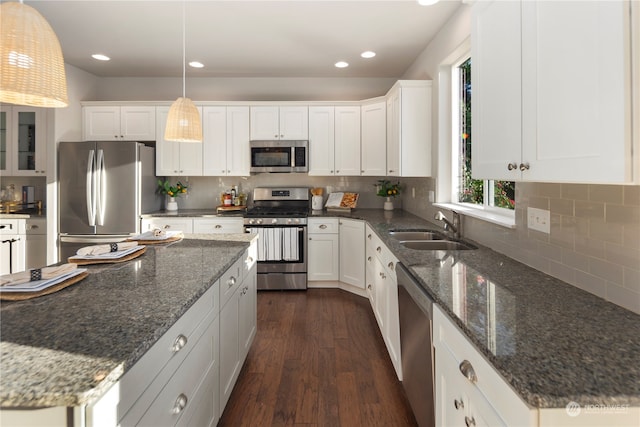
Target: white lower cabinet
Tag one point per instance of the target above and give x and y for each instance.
(218, 225)
(485, 400)
(12, 245)
(324, 249)
(352, 252)
(165, 223)
(382, 289)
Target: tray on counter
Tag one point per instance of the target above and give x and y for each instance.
(97, 259)
(6, 295)
(223, 208)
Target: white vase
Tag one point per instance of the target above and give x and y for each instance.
(172, 205)
(388, 205)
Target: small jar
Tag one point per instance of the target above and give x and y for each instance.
(227, 199)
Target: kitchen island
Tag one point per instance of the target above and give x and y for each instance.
(69, 348)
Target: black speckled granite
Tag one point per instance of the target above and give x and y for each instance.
(552, 342)
(67, 348)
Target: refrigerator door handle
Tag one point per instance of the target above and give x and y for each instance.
(101, 187)
(91, 184)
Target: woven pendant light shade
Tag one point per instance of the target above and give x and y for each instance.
(32, 66)
(183, 122)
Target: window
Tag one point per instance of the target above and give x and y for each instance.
(485, 194)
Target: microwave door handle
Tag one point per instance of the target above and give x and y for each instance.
(293, 157)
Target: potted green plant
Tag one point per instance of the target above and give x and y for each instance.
(384, 188)
(171, 191)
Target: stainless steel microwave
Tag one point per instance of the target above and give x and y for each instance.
(279, 156)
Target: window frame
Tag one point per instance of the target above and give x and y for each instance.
(448, 138)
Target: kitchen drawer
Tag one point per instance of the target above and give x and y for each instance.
(230, 281)
(322, 226)
(174, 224)
(376, 246)
(218, 225)
(185, 382)
(450, 341)
(35, 226)
(146, 378)
(11, 226)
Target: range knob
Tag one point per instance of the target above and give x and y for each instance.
(252, 221)
(289, 220)
(274, 221)
(258, 221)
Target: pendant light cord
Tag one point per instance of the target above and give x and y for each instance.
(184, 49)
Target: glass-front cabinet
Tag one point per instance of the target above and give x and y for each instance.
(22, 141)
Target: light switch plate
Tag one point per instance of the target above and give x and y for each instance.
(539, 220)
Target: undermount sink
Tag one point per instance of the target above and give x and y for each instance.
(436, 245)
(416, 235)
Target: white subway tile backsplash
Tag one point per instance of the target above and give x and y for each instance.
(594, 228)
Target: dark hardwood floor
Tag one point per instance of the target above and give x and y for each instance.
(318, 360)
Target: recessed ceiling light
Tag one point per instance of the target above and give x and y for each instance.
(100, 57)
(196, 64)
(341, 64)
(427, 2)
(368, 54)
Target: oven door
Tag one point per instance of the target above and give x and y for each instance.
(279, 156)
(282, 256)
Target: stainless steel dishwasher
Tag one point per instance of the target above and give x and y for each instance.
(416, 347)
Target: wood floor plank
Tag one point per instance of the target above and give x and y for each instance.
(318, 359)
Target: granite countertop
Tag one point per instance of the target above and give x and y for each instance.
(552, 342)
(69, 347)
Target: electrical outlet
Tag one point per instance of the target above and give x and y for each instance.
(539, 220)
(413, 192)
(431, 196)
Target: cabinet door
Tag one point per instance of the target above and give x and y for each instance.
(451, 398)
(29, 156)
(265, 123)
(374, 140)
(352, 254)
(321, 141)
(138, 123)
(294, 123)
(393, 133)
(496, 75)
(167, 152)
(578, 91)
(238, 150)
(347, 141)
(214, 144)
(101, 123)
(191, 162)
(248, 312)
(12, 253)
(229, 347)
(324, 257)
(6, 136)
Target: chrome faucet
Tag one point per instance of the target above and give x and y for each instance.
(451, 226)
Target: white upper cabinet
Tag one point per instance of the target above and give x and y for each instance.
(347, 140)
(373, 158)
(23, 141)
(119, 123)
(285, 122)
(226, 141)
(176, 158)
(545, 110)
(321, 141)
(409, 129)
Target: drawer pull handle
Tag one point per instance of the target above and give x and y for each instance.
(469, 422)
(218, 226)
(322, 226)
(369, 286)
(524, 166)
(2, 227)
(467, 370)
(231, 281)
(379, 249)
(179, 343)
(167, 226)
(369, 258)
(369, 236)
(390, 265)
(459, 404)
(181, 403)
(512, 166)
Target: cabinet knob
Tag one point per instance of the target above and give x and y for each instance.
(218, 226)
(390, 265)
(179, 343)
(369, 286)
(310, 238)
(167, 226)
(524, 166)
(459, 404)
(379, 249)
(469, 422)
(275, 136)
(231, 281)
(369, 258)
(180, 404)
(512, 166)
(467, 370)
(362, 171)
(369, 236)
(337, 171)
(391, 171)
(322, 226)
(330, 171)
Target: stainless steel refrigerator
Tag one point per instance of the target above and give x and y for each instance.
(104, 188)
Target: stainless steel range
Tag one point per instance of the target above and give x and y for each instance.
(279, 217)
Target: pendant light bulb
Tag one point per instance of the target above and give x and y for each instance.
(183, 121)
(31, 63)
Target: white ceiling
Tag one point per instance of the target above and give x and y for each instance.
(238, 38)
